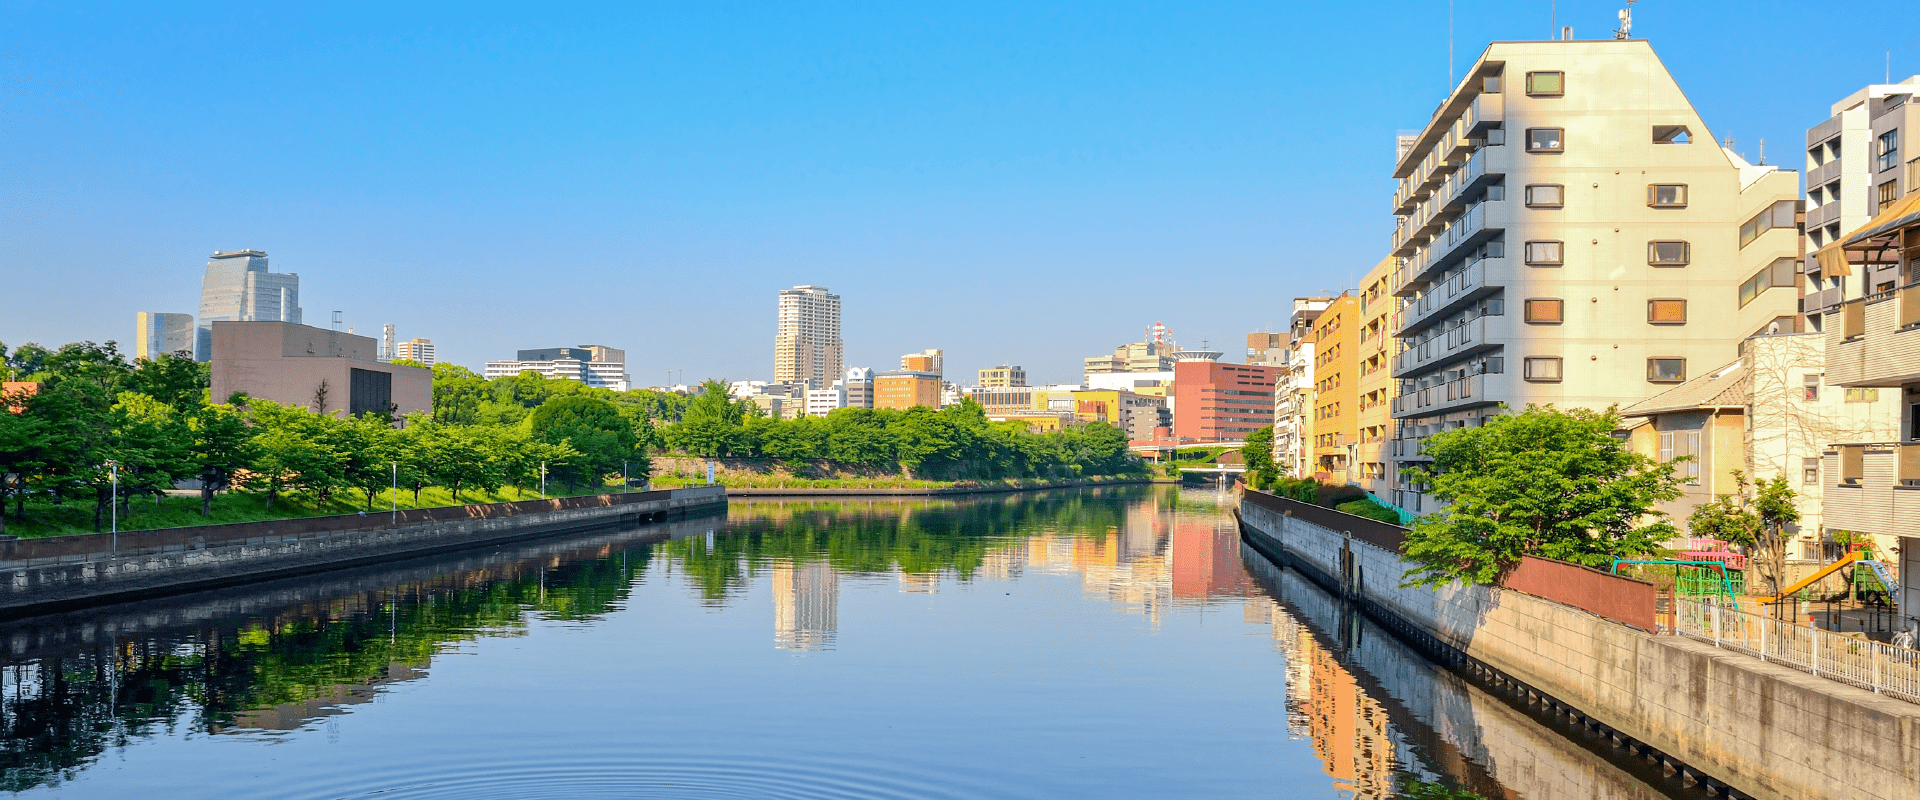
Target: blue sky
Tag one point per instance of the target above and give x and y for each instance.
(1017, 183)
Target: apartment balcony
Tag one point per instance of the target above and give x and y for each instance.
(1820, 133)
(1450, 396)
(1458, 342)
(1872, 488)
(1448, 295)
(1821, 215)
(1875, 340)
(1823, 175)
(1408, 449)
(1819, 302)
(1487, 111)
(1472, 227)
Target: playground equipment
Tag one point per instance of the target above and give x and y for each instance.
(1852, 557)
(1721, 582)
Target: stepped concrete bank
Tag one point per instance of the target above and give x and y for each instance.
(39, 576)
(1765, 731)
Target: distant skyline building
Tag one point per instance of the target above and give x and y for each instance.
(807, 347)
(821, 402)
(420, 350)
(1002, 377)
(859, 386)
(932, 361)
(156, 332)
(568, 363)
(238, 287)
(387, 337)
(904, 389)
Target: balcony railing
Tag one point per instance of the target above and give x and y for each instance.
(1445, 295)
(1457, 393)
(1872, 488)
(1458, 341)
(1875, 340)
(1819, 302)
(1820, 133)
(1823, 174)
(1821, 215)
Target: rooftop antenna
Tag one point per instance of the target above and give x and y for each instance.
(1566, 33)
(1553, 17)
(1626, 22)
(1450, 83)
(1763, 152)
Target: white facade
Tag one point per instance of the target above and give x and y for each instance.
(1569, 233)
(859, 386)
(595, 374)
(821, 402)
(807, 347)
(1858, 160)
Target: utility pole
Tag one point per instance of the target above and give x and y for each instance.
(626, 483)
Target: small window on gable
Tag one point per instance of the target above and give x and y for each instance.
(1546, 84)
(1667, 195)
(1545, 310)
(1668, 253)
(1670, 134)
(1667, 312)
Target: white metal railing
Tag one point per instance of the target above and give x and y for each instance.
(1892, 671)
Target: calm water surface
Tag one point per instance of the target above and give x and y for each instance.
(1113, 643)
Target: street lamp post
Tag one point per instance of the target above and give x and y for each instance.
(393, 497)
(626, 483)
(543, 480)
(114, 467)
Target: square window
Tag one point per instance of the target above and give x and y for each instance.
(1668, 254)
(1547, 84)
(1544, 195)
(1667, 312)
(1547, 310)
(1667, 370)
(1544, 253)
(1542, 368)
(1810, 388)
(1490, 84)
(1544, 140)
(1667, 195)
(1862, 395)
(1809, 471)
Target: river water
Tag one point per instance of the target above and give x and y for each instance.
(1115, 642)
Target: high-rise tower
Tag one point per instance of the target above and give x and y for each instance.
(238, 288)
(807, 348)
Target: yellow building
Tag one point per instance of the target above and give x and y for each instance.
(1379, 315)
(1002, 377)
(904, 389)
(1336, 396)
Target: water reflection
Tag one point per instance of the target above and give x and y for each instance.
(273, 661)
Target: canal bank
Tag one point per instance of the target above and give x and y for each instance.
(39, 576)
(938, 491)
(1763, 730)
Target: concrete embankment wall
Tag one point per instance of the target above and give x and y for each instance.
(936, 490)
(1766, 731)
(44, 575)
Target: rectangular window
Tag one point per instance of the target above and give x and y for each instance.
(1542, 368)
(1544, 195)
(1667, 312)
(1889, 192)
(1544, 254)
(1668, 254)
(1809, 471)
(1667, 195)
(1886, 151)
(1543, 140)
(1548, 310)
(1666, 446)
(1862, 395)
(1667, 370)
(1490, 84)
(1671, 134)
(1692, 468)
(1810, 388)
(1545, 84)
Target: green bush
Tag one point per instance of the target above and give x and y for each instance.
(1366, 507)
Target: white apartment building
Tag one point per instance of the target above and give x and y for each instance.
(859, 386)
(420, 350)
(1859, 161)
(821, 402)
(1568, 232)
(1293, 395)
(807, 347)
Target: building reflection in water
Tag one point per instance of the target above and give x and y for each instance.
(806, 600)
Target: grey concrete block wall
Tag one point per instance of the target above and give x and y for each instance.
(104, 576)
(1768, 731)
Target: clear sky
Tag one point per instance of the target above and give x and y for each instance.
(1018, 183)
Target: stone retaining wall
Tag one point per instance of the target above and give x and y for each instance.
(1767, 731)
(88, 572)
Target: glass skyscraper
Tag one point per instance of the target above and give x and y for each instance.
(238, 288)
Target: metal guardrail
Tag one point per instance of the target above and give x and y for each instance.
(1892, 671)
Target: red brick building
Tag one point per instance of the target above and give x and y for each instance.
(1215, 402)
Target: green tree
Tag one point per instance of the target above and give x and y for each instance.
(1756, 515)
(298, 450)
(860, 437)
(22, 454)
(711, 426)
(222, 446)
(1258, 454)
(173, 379)
(604, 439)
(151, 446)
(1543, 482)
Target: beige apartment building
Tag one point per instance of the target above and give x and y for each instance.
(1859, 162)
(1002, 377)
(807, 347)
(1569, 233)
(1293, 392)
(1374, 344)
